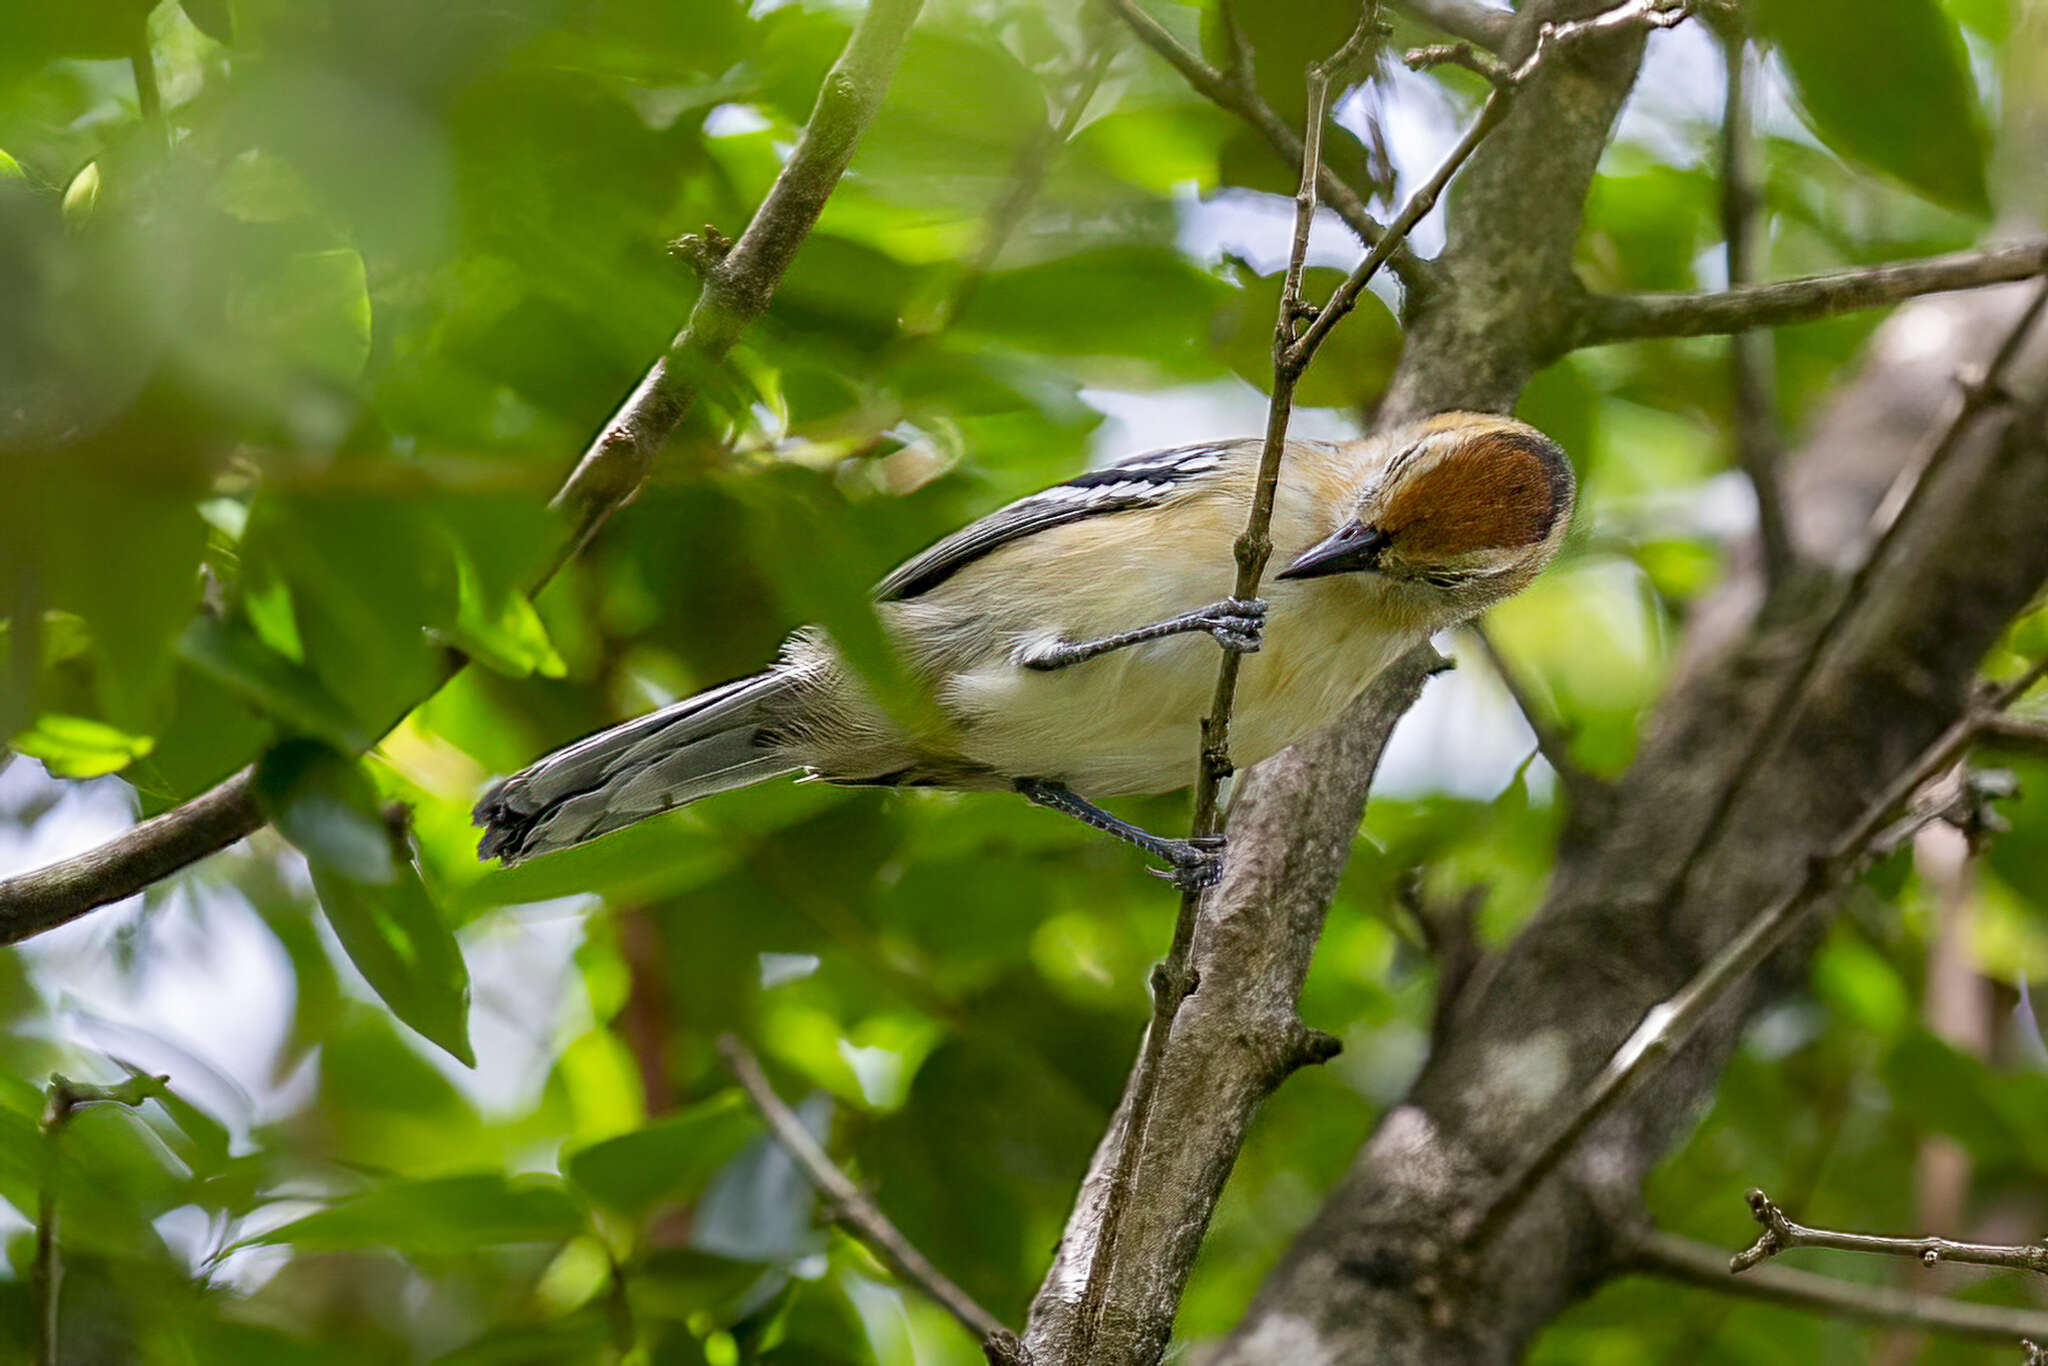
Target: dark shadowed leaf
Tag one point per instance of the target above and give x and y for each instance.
(323, 802)
(670, 1160)
(1887, 83)
(449, 1216)
(231, 653)
(396, 938)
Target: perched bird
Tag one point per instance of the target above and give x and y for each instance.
(1065, 641)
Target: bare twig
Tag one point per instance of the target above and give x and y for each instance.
(850, 1208)
(1507, 84)
(64, 1099)
(1669, 1025)
(1172, 980)
(1781, 1233)
(1605, 318)
(1700, 1264)
(1417, 276)
(1750, 352)
(2026, 733)
(1587, 794)
(736, 291)
(1465, 19)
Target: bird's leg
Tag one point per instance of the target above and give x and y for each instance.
(1195, 863)
(1237, 624)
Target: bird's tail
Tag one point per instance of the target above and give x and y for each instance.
(699, 746)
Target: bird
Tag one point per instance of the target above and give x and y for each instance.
(1065, 646)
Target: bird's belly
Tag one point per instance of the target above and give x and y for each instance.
(1130, 721)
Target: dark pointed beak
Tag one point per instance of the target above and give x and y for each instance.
(1354, 547)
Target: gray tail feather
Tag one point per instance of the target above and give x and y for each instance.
(699, 746)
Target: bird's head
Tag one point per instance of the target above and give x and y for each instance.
(1470, 505)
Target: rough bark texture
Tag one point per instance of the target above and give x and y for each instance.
(1372, 1279)
(1235, 1039)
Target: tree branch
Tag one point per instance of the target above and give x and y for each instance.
(1291, 826)
(1750, 352)
(737, 290)
(1604, 318)
(1465, 19)
(1699, 1264)
(857, 1214)
(1588, 795)
(1234, 93)
(1173, 980)
(64, 1099)
(1670, 1025)
(1781, 1233)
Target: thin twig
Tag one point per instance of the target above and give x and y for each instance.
(736, 291)
(1418, 276)
(1668, 1026)
(850, 1208)
(1781, 1233)
(1750, 353)
(1587, 794)
(1604, 318)
(1173, 979)
(1507, 84)
(2025, 733)
(1706, 1266)
(64, 1099)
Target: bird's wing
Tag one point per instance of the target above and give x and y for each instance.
(1140, 481)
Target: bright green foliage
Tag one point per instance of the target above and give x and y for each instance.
(283, 397)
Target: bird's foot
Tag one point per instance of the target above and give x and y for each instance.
(1197, 863)
(1238, 624)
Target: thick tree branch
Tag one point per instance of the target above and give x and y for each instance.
(1465, 19)
(1781, 1234)
(1670, 1025)
(1700, 1264)
(737, 290)
(850, 1208)
(1233, 1041)
(1234, 92)
(1604, 318)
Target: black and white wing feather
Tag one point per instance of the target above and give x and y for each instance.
(1140, 481)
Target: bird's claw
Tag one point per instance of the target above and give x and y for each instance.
(1238, 624)
(1197, 863)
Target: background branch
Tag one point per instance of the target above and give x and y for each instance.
(1233, 93)
(1750, 353)
(1781, 1234)
(1587, 794)
(63, 1099)
(1604, 318)
(1705, 1266)
(850, 1208)
(1465, 19)
(737, 290)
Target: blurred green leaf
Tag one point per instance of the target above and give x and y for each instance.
(396, 938)
(670, 1160)
(229, 652)
(1352, 368)
(447, 1217)
(1887, 83)
(323, 802)
(309, 310)
(76, 747)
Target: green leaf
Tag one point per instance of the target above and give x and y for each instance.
(1887, 83)
(214, 18)
(82, 195)
(325, 804)
(10, 169)
(230, 653)
(1057, 306)
(75, 747)
(311, 310)
(445, 1217)
(396, 938)
(670, 1160)
(1351, 369)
